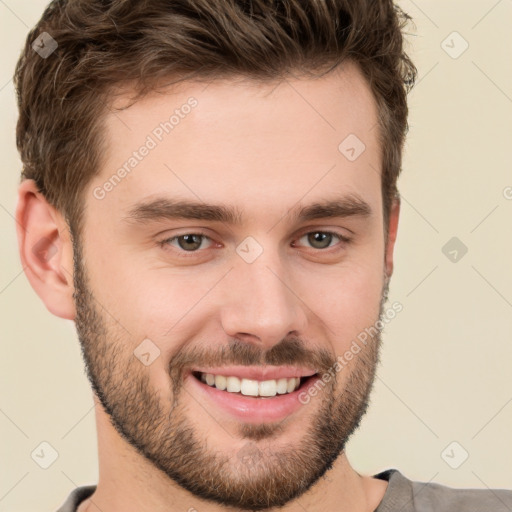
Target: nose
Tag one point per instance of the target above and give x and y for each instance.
(260, 305)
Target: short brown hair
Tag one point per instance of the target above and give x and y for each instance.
(105, 43)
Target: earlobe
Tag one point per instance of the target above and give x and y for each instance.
(392, 234)
(46, 250)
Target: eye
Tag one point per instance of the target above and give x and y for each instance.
(189, 242)
(322, 239)
(194, 242)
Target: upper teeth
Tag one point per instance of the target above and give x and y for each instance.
(251, 387)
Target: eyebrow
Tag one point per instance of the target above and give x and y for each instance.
(162, 208)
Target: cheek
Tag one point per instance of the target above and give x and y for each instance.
(349, 302)
(158, 302)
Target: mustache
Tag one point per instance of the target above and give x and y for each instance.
(289, 351)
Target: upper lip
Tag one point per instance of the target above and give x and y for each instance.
(258, 372)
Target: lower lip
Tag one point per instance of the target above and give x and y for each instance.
(254, 409)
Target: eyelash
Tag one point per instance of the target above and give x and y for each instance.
(166, 242)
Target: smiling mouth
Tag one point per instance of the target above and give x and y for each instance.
(250, 387)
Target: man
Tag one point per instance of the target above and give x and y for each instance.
(209, 192)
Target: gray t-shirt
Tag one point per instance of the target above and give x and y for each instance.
(402, 495)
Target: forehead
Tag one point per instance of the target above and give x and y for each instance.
(237, 139)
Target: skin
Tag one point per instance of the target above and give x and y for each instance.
(264, 149)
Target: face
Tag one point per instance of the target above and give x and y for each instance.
(272, 274)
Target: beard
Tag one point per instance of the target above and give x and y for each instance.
(252, 477)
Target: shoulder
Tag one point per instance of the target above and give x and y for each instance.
(416, 496)
(442, 498)
(77, 496)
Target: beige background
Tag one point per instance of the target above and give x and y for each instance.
(445, 373)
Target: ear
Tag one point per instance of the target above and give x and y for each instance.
(392, 233)
(46, 250)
